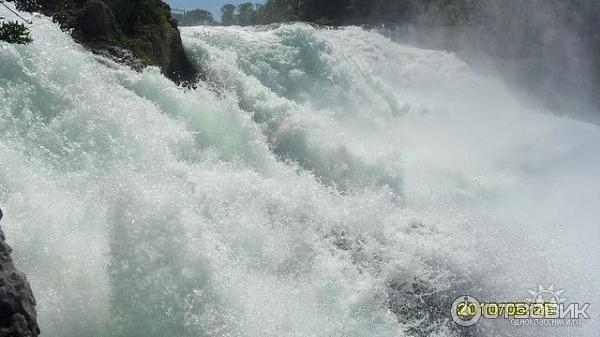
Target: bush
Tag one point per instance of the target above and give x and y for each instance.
(14, 32)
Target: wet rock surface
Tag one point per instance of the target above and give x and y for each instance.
(17, 304)
(121, 29)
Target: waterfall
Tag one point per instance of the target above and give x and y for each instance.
(320, 182)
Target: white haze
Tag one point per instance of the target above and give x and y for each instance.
(322, 179)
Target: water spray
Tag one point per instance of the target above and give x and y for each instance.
(15, 13)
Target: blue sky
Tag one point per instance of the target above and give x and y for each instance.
(211, 5)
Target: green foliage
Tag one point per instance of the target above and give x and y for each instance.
(228, 15)
(246, 14)
(26, 5)
(358, 11)
(14, 32)
(278, 11)
(195, 17)
(134, 13)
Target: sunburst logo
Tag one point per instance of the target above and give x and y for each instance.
(546, 295)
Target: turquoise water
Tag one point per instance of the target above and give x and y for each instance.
(320, 183)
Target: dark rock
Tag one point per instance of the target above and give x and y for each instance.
(143, 28)
(96, 22)
(122, 56)
(18, 317)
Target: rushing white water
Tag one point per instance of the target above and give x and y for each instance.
(320, 183)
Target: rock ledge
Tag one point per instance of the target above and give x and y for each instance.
(18, 317)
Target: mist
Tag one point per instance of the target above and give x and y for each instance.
(349, 177)
(548, 51)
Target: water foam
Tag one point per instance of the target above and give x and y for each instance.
(326, 183)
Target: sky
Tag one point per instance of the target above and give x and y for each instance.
(214, 6)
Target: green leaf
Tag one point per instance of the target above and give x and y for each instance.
(14, 32)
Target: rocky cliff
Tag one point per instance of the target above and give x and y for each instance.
(136, 32)
(17, 304)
